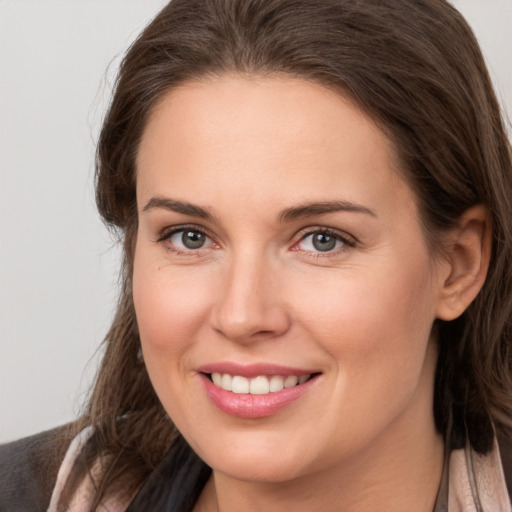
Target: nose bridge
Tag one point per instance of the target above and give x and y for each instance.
(248, 304)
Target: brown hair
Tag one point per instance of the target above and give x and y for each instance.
(415, 67)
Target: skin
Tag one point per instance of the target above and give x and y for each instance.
(246, 149)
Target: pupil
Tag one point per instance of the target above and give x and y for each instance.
(322, 242)
(192, 239)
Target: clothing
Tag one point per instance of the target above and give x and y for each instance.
(473, 483)
(29, 481)
(28, 470)
(83, 497)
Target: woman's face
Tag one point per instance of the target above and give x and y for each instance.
(277, 242)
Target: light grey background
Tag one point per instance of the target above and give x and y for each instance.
(58, 265)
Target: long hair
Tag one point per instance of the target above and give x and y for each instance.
(415, 68)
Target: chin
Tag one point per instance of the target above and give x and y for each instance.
(255, 461)
(267, 471)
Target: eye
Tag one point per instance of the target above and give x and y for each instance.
(188, 239)
(185, 239)
(323, 241)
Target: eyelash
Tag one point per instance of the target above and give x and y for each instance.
(347, 241)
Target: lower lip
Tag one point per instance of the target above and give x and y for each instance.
(245, 405)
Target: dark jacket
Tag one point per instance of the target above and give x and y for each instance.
(28, 470)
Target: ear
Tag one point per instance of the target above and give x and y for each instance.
(468, 251)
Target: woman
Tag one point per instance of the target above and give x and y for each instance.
(316, 310)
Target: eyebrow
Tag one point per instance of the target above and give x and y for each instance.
(287, 215)
(178, 206)
(322, 208)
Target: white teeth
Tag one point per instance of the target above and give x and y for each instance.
(260, 385)
(240, 384)
(291, 381)
(226, 382)
(276, 383)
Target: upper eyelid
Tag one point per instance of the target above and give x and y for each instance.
(343, 235)
(171, 230)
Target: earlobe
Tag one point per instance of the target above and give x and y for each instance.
(468, 256)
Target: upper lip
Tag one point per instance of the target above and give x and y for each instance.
(254, 370)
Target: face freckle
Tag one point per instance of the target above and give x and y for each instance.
(251, 170)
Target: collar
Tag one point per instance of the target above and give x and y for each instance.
(472, 482)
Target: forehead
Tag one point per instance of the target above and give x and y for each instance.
(261, 138)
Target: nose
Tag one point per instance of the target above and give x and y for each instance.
(248, 307)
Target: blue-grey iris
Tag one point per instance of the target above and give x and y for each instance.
(323, 242)
(193, 239)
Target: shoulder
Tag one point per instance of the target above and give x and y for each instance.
(28, 470)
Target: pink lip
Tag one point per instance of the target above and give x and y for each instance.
(244, 405)
(254, 370)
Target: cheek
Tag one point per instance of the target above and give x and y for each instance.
(373, 321)
(169, 304)
(171, 307)
(375, 329)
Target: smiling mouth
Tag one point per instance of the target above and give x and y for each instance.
(260, 385)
